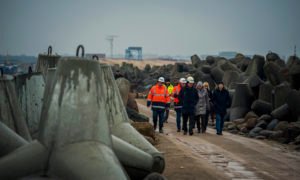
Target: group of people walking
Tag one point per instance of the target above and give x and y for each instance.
(193, 102)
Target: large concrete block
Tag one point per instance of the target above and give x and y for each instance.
(242, 100)
(266, 92)
(261, 107)
(124, 88)
(230, 79)
(293, 100)
(26, 160)
(75, 128)
(280, 94)
(254, 82)
(196, 61)
(9, 141)
(86, 160)
(10, 111)
(281, 112)
(76, 109)
(30, 91)
(119, 121)
(272, 72)
(256, 66)
(217, 73)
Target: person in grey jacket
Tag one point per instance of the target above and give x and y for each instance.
(201, 107)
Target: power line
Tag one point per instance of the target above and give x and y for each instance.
(110, 39)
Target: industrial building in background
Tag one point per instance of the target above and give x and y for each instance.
(134, 53)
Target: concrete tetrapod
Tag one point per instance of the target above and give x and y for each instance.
(30, 91)
(119, 122)
(46, 61)
(241, 102)
(10, 110)
(266, 92)
(10, 140)
(26, 160)
(136, 162)
(75, 126)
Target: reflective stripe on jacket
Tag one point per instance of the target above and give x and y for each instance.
(159, 97)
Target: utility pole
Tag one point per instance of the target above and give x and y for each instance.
(295, 50)
(110, 39)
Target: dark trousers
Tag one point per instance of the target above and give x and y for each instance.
(201, 118)
(219, 123)
(166, 115)
(178, 118)
(188, 116)
(158, 114)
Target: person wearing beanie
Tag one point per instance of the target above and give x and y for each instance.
(201, 108)
(221, 100)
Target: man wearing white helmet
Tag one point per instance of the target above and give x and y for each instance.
(159, 98)
(189, 98)
(177, 102)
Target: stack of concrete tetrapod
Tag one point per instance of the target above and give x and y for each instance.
(84, 130)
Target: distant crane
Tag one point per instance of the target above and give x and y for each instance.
(110, 39)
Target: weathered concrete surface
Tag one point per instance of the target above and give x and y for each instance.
(75, 125)
(124, 88)
(230, 79)
(26, 160)
(10, 110)
(137, 163)
(9, 140)
(47, 98)
(119, 122)
(30, 90)
(76, 111)
(46, 61)
(266, 92)
(242, 100)
(86, 160)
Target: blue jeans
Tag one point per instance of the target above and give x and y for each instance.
(158, 113)
(178, 118)
(219, 123)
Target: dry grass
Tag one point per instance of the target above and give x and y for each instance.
(140, 64)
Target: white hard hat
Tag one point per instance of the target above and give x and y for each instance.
(182, 80)
(161, 79)
(190, 79)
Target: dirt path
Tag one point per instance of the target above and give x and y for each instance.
(208, 156)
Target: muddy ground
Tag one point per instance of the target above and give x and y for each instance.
(208, 156)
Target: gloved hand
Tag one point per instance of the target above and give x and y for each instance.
(148, 103)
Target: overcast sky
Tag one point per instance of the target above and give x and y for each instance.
(163, 27)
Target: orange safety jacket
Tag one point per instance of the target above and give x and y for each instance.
(175, 94)
(159, 97)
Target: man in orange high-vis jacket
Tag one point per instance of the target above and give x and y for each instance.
(177, 103)
(159, 98)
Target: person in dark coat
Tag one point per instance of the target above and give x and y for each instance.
(221, 101)
(189, 98)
